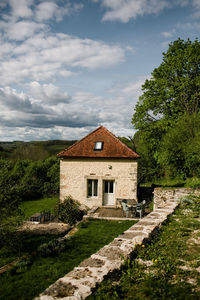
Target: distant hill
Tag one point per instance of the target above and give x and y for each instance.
(34, 150)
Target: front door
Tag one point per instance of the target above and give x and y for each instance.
(108, 192)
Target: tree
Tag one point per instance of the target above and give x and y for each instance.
(10, 213)
(179, 153)
(174, 88)
(170, 99)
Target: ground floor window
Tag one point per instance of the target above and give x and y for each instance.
(92, 187)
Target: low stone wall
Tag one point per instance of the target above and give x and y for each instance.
(79, 283)
(163, 196)
(50, 228)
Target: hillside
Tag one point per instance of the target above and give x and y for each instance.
(33, 150)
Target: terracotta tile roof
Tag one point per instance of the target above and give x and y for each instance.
(112, 147)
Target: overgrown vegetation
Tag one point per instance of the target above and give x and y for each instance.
(35, 274)
(69, 211)
(166, 268)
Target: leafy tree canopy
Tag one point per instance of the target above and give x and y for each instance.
(174, 88)
(167, 115)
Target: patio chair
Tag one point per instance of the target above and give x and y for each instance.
(125, 207)
(140, 208)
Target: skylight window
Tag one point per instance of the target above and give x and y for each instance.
(98, 146)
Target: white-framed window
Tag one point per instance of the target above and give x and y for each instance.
(98, 146)
(92, 187)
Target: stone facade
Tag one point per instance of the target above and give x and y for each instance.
(75, 173)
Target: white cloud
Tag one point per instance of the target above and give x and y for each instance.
(31, 54)
(23, 29)
(45, 11)
(5, 49)
(124, 10)
(48, 93)
(29, 51)
(48, 10)
(44, 56)
(188, 26)
(48, 112)
(42, 11)
(14, 101)
(21, 8)
(22, 110)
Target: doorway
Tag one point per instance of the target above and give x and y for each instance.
(108, 192)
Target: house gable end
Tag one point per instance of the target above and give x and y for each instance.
(111, 147)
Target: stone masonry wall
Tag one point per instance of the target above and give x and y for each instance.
(163, 196)
(75, 172)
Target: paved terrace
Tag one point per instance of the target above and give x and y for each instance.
(79, 283)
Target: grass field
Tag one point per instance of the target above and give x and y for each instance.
(168, 267)
(45, 204)
(30, 280)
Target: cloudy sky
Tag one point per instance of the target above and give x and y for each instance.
(68, 66)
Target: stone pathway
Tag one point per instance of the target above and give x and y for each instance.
(78, 284)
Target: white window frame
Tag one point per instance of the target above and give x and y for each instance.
(93, 188)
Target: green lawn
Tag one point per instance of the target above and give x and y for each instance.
(32, 280)
(45, 204)
(168, 267)
(29, 243)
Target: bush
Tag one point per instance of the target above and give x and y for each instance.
(193, 182)
(51, 248)
(69, 211)
(21, 267)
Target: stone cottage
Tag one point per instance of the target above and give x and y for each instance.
(99, 170)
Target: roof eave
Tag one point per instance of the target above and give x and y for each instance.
(99, 157)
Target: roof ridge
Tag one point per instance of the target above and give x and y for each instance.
(112, 134)
(80, 140)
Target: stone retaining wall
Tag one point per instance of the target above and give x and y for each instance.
(79, 283)
(163, 196)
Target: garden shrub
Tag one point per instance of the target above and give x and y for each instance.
(21, 266)
(52, 247)
(69, 211)
(193, 182)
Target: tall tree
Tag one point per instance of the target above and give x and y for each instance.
(171, 95)
(174, 88)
